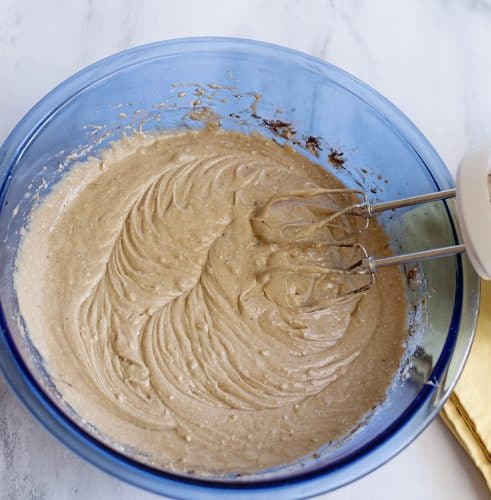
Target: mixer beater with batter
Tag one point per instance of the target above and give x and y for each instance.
(473, 197)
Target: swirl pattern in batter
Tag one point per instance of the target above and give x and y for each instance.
(182, 301)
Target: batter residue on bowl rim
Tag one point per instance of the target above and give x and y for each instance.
(181, 319)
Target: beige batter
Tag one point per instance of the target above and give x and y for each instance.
(184, 309)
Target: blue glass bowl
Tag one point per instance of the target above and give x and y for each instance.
(153, 87)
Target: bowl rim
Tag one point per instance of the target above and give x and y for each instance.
(85, 445)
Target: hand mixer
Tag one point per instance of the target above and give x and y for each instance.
(473, 198)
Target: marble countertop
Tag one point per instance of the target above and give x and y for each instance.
(431, 58)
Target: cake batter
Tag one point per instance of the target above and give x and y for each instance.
(182, 305)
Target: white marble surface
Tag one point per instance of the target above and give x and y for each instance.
(431, 58)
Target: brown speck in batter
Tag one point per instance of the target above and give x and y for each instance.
(280, 127)
(336, 158)
(313, 145)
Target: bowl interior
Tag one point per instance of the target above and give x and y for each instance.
(247, 85)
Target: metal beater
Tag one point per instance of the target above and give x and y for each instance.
(473, 194)
(473, 209)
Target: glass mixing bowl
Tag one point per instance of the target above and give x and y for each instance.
(364, 139)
